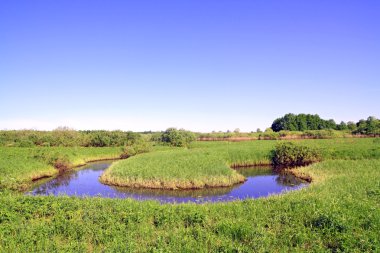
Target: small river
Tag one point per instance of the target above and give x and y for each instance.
(261, 182)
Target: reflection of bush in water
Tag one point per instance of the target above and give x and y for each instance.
(98, 166)
(255, 171)
(283, 178)
(287, 179)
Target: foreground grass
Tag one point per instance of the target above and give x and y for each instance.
(20, 166)
(206, 164)
(340, 211)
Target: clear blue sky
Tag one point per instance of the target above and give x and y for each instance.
(200, 65)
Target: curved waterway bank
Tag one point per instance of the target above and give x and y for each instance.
(84, 182)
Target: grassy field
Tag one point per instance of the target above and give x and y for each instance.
(338, 212)
(19, 166)
(206, 164)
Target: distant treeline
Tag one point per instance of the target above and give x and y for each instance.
(290, 126)
(174, 137)
(65, 137)
(304, 122)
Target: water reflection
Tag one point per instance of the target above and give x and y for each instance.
(287, 179)
(261, 182)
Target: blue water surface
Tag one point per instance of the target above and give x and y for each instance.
(84, 182)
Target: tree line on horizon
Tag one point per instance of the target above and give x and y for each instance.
(311, 126)
(67, 137)
(303, 122)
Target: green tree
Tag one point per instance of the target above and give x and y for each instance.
(351, 125)
(268, 130)
(361, 127)
(330, 124)
(177, 138)
(372, 125)
(302, 122)
(342, 126)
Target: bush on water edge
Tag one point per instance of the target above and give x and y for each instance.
(55, 159)
(138, 147)
(289, 154)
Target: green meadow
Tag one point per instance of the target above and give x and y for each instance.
(338, 212)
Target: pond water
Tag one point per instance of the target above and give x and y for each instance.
(261, 182)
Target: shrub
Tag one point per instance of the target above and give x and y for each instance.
(288, 154)
(26, 144)
(138, 147)
(269, 135)
(59, 161)
(100, 140)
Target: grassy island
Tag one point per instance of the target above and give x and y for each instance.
(177, 169)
